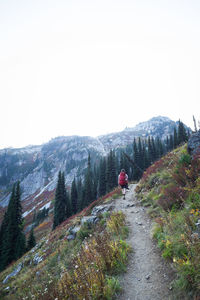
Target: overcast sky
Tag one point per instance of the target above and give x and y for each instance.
(94, 67)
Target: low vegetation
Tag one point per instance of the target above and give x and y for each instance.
(84, 268)
(171, 190)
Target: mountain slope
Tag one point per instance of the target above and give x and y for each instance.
(170, 189)
(37, 167)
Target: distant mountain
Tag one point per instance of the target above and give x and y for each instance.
(37, 167)
(156, 127)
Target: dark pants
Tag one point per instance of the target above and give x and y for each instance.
(124, 186)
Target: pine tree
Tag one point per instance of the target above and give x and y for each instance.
(171, 142)
(102, 178)
(80, 192)
(136, 171)
(31, 240)
(175, 141)
(20, 241)
(13, 243)
(182, 134)
(145, 157)
(111, 173)
(88, 184)
(60, 205)
(74, 197)
(140, 154)
(95, 183)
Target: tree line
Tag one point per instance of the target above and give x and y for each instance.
(100, 178)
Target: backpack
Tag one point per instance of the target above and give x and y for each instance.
(122, 178)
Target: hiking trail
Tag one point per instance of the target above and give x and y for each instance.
(148, 275)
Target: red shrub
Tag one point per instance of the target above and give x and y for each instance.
(172, 195)
(187, 175)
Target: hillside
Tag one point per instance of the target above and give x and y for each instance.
(170, 190)
(77, 260)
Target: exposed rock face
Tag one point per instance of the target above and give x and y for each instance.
(14, 273)
(156, 127)
(194, 143)
(37, 167)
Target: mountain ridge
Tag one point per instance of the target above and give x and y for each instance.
(37, 166)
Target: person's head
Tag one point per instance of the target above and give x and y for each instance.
(122, 170)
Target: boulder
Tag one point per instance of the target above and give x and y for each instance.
(14, 273)
(74, 230)
(100, 209)
(37, 259)
(194, 143)
(89, 220)
(70, 237)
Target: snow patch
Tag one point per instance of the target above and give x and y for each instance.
(46, 206)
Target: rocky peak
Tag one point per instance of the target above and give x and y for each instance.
(194, 143)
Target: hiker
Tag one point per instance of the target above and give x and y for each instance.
(123, 181)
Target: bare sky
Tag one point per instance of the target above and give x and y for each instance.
(93, 67)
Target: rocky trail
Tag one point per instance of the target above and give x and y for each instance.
(148, 275)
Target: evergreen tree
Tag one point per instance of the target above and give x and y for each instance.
(145, 157)
(60, 205)
(124, 164)
(31, 240)
(140, 155)
(74, 197)
(175, 141)
(12, 238)
(3, 240)
(111, 173)
(88, 184)
(136, 171)
(95, 183)
(102, 178)
(171, 142)
(182, 134)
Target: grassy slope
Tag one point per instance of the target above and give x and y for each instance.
(171, 190)
(61, 262)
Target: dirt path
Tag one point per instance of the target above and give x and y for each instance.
(148, 276)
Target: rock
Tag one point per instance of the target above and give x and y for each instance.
(100, 209)
(7, 289)
(195, 235)
(139, 223)
(89, 220)
(38, 274)
(70, 237)
(147, 277)
(37, 259)
(74, 230)
(194, 143)
(14, 273)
